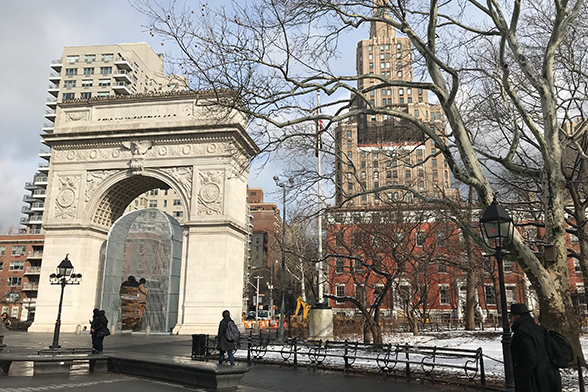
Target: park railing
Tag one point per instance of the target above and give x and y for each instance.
(464, 366)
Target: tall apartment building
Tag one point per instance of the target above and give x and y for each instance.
(20, 269)
(376, 150)
(90, 72)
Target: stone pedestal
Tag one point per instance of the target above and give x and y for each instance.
(320, 323)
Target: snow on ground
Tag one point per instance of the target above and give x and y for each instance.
(489, 341)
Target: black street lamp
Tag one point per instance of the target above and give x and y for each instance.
(497, 228)
(283, 306)
(63, 277)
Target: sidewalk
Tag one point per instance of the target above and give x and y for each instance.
(260, 378)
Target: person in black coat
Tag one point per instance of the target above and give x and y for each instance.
(223, 344)
(99, 322)
(533, 370)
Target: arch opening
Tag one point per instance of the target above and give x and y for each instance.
(141, 279)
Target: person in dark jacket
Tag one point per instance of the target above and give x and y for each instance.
(223, 344)
(533, 370)
(99, 322)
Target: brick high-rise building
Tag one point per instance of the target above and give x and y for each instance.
(376, 150)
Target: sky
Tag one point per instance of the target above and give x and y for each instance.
(34, 32)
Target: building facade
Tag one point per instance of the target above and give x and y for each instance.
(20, 268)
(375, 151)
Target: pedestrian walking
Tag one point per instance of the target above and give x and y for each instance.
(533, 370)
(99, 330)
(225, 345)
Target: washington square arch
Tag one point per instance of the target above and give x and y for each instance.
(107, 151)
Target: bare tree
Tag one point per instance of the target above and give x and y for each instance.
(275, 55)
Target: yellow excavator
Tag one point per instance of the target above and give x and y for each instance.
(305, 308)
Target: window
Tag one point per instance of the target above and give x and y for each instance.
(14, 281)
(409, 100)
(73, 59)
(349, 154)
(400, 91)
(401, 100)
(16, 266)
(87, 83)
(435, 174)
(69, 83)
(398, 46)
(358, 266)
(421, 174)
(362, 175)
(350, 176)
(68, 96)
(14, 312)
(394, 174)
(349, 134)
(409, 91)
(19, 250)
(443, 295)
(577, 267)
(370, 47)
(420, 91)
(71, 71)
(13, 297)
(2, 251)
(349, 186)
(399, 65)
(489, 295)
(86, 95)
(511, 294)
(581, 293)
(152, 203)
(104, 82)
(177, 202)
(507, 265)
(574, 239)
(349, 145)
(399, 74)
(178, 214)
(416, 113)
(105, 70)
(107, 57)
(363, 164)
(339, 264)
(339, 239)
(442, 267)
(1, 265)
(371, 65)
(89, 58)
(102, 93)
(398, 55)
(420, 238)
(388, 174)
(376, 175)
(434, 160)
(165, 203)
(407, 174)
(340, 292)
(375, 164)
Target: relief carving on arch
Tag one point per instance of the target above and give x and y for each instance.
(66, 202)
(183, 176)
(138, 150)
(94, 179)
(210, 196)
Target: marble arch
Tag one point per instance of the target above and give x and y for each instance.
(104, 153)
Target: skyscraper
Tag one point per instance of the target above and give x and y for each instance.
(376, 150)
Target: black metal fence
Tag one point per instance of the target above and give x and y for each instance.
(391, 360)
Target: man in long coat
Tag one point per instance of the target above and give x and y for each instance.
(533, 370)
(223, 344)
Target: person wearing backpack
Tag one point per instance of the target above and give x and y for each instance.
(224, 344)
(533, 370)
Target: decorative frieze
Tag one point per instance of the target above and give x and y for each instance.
(182, 176)
(210, 195)
(93, 180)
(66, 202)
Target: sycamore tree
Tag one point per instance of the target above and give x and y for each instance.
(505, 75)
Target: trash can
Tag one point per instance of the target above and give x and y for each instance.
(198, 346)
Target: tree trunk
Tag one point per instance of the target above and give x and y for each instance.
(470, 313)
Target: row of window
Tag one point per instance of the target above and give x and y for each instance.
(13, 266)
(444, 296)
(394, 174)
(84, 95)
(89, 58)
(153, 203)
(88, 71)
(17, 250)
(13, 281)
(87, 83)
(385, 47)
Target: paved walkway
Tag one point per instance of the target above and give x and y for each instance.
(260, 378)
